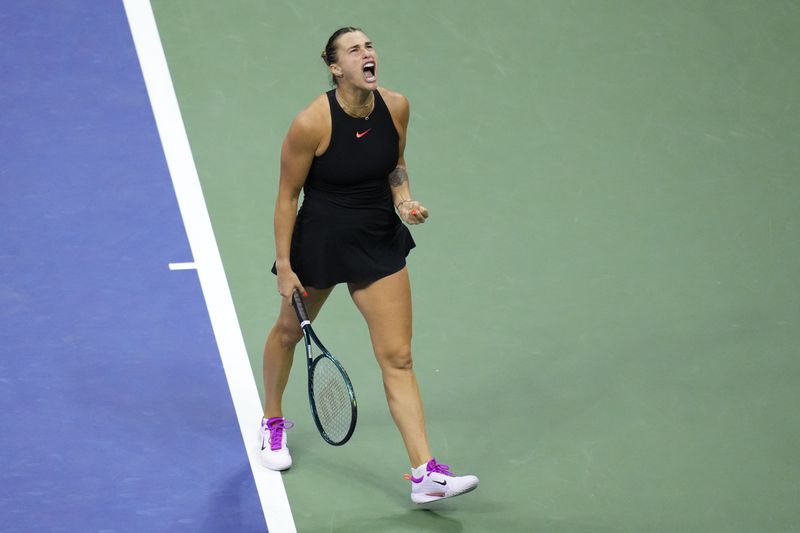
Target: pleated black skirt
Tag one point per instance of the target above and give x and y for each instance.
(334, 244)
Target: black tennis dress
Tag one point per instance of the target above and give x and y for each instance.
(347, 229)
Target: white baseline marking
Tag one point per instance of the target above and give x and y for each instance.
(182, 266)
(224, 322)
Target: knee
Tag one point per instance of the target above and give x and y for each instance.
(287, 334)
(396, 358)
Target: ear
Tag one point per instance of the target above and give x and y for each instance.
(336, 70)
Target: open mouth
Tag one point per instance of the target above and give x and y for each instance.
(369, 72)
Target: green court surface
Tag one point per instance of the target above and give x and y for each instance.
(607, 313)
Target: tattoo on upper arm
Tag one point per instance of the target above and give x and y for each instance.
(397, 177)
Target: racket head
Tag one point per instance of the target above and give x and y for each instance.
(332, 399)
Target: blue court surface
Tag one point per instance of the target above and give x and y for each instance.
(116, 414)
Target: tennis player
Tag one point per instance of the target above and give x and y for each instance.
(345, 152)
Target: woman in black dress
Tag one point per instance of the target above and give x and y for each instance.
(345, 152)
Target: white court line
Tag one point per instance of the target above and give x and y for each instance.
(231, 346)
(182, 266)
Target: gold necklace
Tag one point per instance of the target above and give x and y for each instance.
(353, 110)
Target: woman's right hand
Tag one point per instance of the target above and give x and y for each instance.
(288, 282)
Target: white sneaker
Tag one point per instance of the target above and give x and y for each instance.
(274, 452)
(433, 481)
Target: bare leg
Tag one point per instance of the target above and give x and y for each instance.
(279, 348)
(386, 306)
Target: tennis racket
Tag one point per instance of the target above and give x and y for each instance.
(330, 392)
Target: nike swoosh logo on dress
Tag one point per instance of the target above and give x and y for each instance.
(360, 134)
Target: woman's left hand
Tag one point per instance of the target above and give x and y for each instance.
(412, 212)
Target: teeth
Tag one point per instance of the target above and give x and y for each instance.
(366, 65)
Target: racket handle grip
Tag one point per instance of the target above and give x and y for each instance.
(299, 307)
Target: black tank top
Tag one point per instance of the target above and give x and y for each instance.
(347, 229)
(362, 152)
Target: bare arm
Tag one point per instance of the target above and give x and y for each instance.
(409, 209)
(297, 153)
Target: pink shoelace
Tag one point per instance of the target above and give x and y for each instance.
(276, 426)
(433, 468)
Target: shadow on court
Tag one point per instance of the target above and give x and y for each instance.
(227, 509)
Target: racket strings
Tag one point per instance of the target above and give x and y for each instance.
(332, 399)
